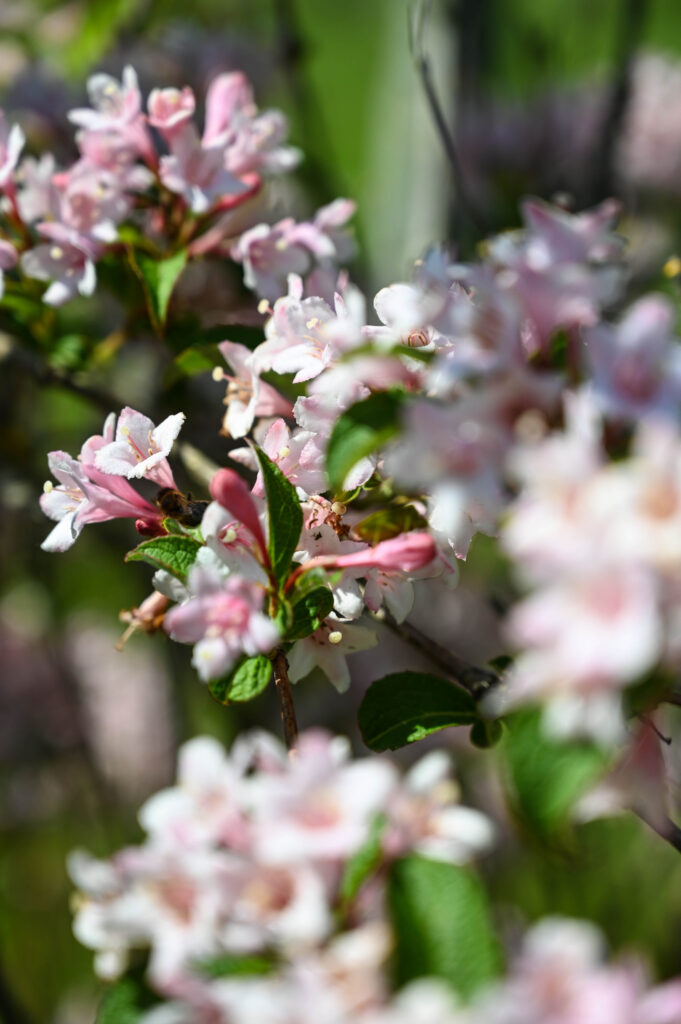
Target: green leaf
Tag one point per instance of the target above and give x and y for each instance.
(364, 862)
(158, 278)
(175, 553)
(388, 523)
(284, 516)
(360, 431)
(546, 777)
(443, 925)
(309, 612)
(192, 361)
(125, 1003)
(406, 706)
(248, 679)
(229, 966)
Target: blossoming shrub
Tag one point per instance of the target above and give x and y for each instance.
(515, 396)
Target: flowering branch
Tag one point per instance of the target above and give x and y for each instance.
(476, 680)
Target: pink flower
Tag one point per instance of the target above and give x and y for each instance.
(169, 109)
(406, 553)
(223, 619)
(140, 448)
(247, 395)
(636, 364)
(69, 269)
(86, 495)
(327, 649)
(116, 109)
(197, 172)
(321, 808)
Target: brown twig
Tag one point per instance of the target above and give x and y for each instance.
(417, 18)
(288, 711)
(476, 680)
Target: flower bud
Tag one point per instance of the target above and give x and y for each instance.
(230, 491)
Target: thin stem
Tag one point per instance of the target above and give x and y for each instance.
(417, 19)
(288, 711)
(476, 680)
(630, 26)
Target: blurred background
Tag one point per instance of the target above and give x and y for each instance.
(571, 102)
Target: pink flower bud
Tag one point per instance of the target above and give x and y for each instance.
(230, 491)
(150, 527)
(408, 552)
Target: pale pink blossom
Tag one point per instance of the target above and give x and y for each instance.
(86, 495)
(327, 649)
(247, 395)
(223, 619)
(197, 172)
(321, 809)
(636, 365)
(169, 109)
(140, 448)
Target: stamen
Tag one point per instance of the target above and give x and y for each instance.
(335, 637)
(48, 487)
(218, 374)
(56, 253)
(284, 452)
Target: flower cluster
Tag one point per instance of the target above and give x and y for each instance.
(247, 855)
(153, 171)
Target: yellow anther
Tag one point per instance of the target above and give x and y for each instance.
(284, 452)
(229, 536)
(218, 374)
(48, 486)
(264, 306)
(125, 431)
(56, 253)
(338, 508)
(335, 637)
(281, 244)
(314, 322)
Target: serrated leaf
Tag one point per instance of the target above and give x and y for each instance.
(284, 516)
(175, 553)
(360, 431)
(443, 925)
(309, 612)
(158, 278)
(547, 776)
(364, 862)
(406, 706)
(388, 523)
(247, 679)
